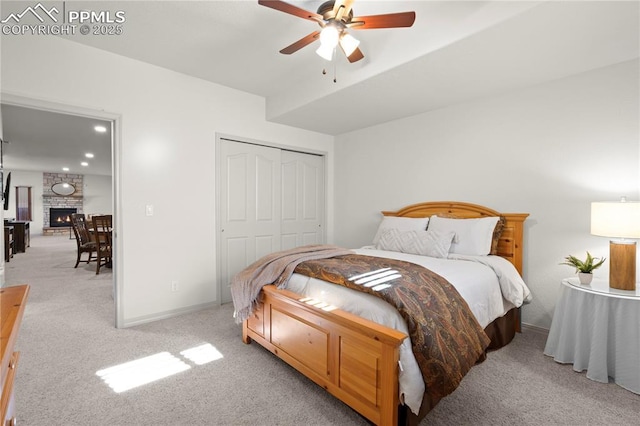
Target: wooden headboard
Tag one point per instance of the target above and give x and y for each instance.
(510, 244)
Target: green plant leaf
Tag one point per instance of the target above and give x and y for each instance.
(587, 266)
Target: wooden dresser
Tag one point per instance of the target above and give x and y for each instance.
(21, 235)
(12, 303)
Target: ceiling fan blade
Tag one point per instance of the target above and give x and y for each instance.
(301, 43)
(390, 20)
(342, 8)
(291, 9)
(355, 56)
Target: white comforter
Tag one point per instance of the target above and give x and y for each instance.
(490, 285)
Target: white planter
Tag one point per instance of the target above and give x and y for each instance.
(585, 278)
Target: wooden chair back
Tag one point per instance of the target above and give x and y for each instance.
(102, 228)
(83, 237)
(80, 229)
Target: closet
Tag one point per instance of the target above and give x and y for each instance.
(269, 199)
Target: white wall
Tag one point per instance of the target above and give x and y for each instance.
(97, 194)
(168, 127)
(547, 150)
(34, 180)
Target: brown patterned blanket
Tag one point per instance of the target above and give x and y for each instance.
(445, 336)
(274, 268)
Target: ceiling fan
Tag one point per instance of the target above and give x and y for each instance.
(335, 17)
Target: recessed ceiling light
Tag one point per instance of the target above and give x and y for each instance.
(88, 155)
(84, 163)
(100, 129)
(65, 169)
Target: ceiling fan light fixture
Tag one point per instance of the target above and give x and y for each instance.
(349, 43)
(334, 17)
(329, 36)
(325, 52)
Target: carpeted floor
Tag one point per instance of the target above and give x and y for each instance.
(67, 336)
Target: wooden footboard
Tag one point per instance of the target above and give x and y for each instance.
(354, 359)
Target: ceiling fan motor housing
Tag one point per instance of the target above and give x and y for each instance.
(326, 10)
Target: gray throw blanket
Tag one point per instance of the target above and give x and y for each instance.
(275, 268)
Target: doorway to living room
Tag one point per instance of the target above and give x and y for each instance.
(66, 156)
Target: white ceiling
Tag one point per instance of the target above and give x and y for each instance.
(456, 51)
(47, 141)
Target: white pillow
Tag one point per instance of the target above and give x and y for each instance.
(424, 243)
(427, 243)
(401, 224)
(390, 240)
(473, 236)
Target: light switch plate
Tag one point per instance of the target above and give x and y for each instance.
(149, 209)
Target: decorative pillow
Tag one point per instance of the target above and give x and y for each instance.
(497, 233)
(425, 243)
(390, 240)
(472, 236)
(401, 224)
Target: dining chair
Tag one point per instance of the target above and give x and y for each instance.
(102, 225)
(83, 237)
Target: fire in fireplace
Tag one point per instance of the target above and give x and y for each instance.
(60, 217)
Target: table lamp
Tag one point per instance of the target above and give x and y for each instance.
(618, 220)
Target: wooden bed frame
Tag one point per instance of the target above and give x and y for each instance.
(355, 359)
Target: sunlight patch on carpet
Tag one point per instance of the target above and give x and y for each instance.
(202, 354)
(141, 371)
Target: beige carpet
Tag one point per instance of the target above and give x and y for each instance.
(67, 336)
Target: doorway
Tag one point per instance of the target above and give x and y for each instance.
(17, 160)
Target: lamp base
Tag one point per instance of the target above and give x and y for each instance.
(622, 265)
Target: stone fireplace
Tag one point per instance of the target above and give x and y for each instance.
(53, 203)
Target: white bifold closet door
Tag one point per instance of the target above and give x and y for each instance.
(270, 199)
(303, 198)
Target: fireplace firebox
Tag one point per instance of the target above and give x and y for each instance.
(60, 217)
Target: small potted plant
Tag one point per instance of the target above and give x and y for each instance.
(584, 268)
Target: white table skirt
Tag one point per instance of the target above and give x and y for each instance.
(599, 333)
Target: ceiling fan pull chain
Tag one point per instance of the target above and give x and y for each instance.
(335, 79)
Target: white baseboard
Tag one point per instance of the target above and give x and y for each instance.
(534, 328)
(132, 322)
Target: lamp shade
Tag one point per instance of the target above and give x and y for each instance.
(616, 219)
(348, 43)
(325, 52)
(329, 36)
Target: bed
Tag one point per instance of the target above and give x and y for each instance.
(357, 359)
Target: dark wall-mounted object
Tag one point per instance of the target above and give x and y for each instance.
(6, 192)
